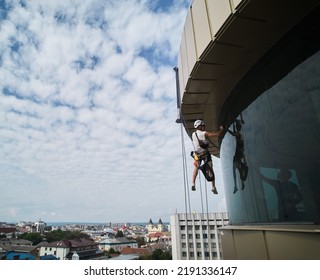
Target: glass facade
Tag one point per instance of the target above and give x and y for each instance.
(271, 155)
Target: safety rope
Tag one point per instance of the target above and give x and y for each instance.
(185, 173)
(186, 185)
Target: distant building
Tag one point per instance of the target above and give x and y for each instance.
(19, 248)
(40, 225)
(159, 227)
(22, 224)
(12, 255)
(64, 250)
(163, 237)
(196, 237)
(16, 242)
(7, 231)
(117, 244)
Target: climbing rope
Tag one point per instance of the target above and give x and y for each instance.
(187, 201)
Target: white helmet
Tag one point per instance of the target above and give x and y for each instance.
(197, 123)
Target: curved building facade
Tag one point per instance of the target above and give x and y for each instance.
(254, 66)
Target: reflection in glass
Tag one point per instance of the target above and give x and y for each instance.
(283, 197)
(239, 159)
(281, 132)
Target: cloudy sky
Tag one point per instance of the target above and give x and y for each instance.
(88, 110)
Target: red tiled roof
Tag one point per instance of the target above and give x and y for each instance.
(7, 229)
(137, 251)
(155, 234)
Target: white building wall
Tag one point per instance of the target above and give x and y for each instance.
(106, 246)
(195, 236)
(59, 252)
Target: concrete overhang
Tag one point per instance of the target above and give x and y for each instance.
(211, 65)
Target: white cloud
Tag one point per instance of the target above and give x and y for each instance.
(88, 111)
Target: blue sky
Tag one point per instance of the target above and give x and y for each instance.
(88, 110)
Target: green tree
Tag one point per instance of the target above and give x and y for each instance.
(113, 251)
(158, 254)
(34, 237)
(119, 233)
(140, 241)
(55, 235)
(110, 252)
(58, 235)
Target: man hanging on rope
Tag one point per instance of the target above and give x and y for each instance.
(201, 153)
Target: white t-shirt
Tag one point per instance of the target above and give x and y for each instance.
(195, 142)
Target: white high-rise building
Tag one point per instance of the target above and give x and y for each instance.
(195, 236)
(40, 225)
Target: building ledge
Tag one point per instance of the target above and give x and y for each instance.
(275, 227)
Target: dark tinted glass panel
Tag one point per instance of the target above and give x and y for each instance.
(271, 155)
